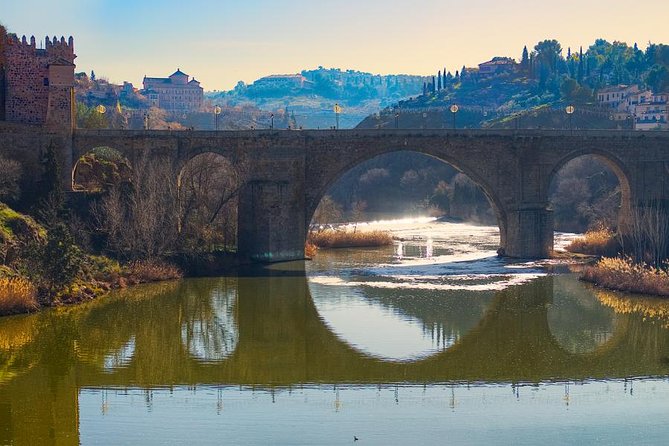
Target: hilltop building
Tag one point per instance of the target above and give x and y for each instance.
(175, 93)
(497, 65)
(282, 81)
(37, 84)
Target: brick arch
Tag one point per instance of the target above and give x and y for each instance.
(488, 191)
(628, 195)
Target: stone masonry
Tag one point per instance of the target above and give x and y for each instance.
(38, 82)
(285, 173)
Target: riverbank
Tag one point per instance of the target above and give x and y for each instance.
(98, 276)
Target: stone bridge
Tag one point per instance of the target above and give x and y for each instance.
(285, 173)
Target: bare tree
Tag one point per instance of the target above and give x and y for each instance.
(208, 189)
(140, 221)
(644, 234)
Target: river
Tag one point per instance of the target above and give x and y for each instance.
(434, 340)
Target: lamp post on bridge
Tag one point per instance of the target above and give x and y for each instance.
(454, 109)
(101, 109)
(271, 121)
(569, 109)
(337, 110)
(217, 111)
(397, 119)
(146, 121)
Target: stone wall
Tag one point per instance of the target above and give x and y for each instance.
(39, 82)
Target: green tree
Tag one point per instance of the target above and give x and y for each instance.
(50, 199)
(525, 60)
(658, 78)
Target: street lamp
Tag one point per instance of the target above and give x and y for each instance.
(337, 110)
(217, 111)
(570, 111)
(271, 120)
(101, 109)
(397, 119)
(146, 121)
(454, 109)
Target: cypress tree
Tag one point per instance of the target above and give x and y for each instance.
(433, 85)
(424, 88)
(525, 60)
(580, 66)
(439, 81)
(444, 74)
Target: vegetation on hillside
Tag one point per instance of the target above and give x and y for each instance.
(533, 92)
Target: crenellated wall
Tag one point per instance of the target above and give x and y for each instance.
(38, 81)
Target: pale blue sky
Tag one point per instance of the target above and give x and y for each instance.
(221, 42)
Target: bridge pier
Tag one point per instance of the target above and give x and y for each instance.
(271, 221)
(529, 233)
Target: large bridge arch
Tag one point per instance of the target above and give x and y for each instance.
(327, 181)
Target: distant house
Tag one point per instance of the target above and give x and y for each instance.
(175, 93)
(281, 81)
(617, 96)
(654, 114)
(497, 65)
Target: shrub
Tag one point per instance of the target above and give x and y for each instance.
(347, 239)
(623, 274)
(599, 242)
(17, 295)
(142, 271)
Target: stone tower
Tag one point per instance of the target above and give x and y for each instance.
(38, 82)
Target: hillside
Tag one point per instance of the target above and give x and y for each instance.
(309, 97)
(532, 93)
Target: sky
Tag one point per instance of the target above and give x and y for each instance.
(221, 42)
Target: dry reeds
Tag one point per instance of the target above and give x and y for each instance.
(143, 271)
(350, 239)
(17, 295)
(623, 274)
(598, 242)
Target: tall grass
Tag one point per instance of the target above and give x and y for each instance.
(349, 239)
(598, 242)
(622, 274)
(17, 295)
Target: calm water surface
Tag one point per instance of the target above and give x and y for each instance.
(432, 341)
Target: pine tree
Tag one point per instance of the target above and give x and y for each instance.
(525, 60)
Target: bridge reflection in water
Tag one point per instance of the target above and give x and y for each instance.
(267, 333)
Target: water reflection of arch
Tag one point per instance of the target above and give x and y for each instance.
(282, 341)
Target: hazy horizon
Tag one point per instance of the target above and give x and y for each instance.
(221, 43)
